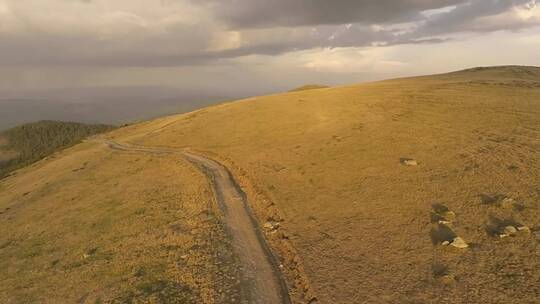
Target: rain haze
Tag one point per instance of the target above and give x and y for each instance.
(88, 59)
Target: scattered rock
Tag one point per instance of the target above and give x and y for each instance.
(270, 226)
(510, 230)
(502, 201)
(408, 162)
(442, 273)
(503, 235)
(274, 217)
(489, 199)
(524, 229)
(442, 233)
(449, 216)
(441, 214)
(459, 243)
(89, 253)
(447, 279)
(507, 203)
(445, 243)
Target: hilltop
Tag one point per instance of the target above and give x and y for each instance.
(309, 87)
(361, 192)
(506, 72)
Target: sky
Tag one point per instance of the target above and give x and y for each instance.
(255, 46)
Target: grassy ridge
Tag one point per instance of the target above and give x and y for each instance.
(31, 142)
(309, 87)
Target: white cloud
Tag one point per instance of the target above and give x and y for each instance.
(223, 41)
(437, 11)
(347, 60)
(528, 11)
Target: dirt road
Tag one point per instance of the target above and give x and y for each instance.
(261, 279)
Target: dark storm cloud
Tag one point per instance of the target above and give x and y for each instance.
(468, 17)
(268, 13)
(133, 36)
(186, 49)
(178, 46)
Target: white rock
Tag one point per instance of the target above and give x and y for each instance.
(508, 203)
(447, 279)
(524, 229)
(409, 162)
(270, 225)
(459, 243)
(445, 243)
(510, 230)
(449, 215)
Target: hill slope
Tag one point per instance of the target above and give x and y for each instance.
(329, 166)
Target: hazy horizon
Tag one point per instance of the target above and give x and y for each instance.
(198, 52)
(99, 104)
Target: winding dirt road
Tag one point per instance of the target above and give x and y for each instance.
(261, 279)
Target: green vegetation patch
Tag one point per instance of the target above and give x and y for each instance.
(28, 143)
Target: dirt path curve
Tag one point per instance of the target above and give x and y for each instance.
(261, 279)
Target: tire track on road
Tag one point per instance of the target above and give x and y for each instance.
(262, 281)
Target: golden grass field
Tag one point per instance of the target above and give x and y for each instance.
(93, 226)
(356, 224)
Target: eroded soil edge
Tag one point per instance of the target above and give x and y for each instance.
(262, 273)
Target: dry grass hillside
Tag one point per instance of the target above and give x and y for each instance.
(372, 183)
(89, 225)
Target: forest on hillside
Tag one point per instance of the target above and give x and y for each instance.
(31, 142)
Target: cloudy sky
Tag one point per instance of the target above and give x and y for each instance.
(255, 46)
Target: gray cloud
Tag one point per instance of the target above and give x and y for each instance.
(471, 16)
(183, 33)
(265, 13)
